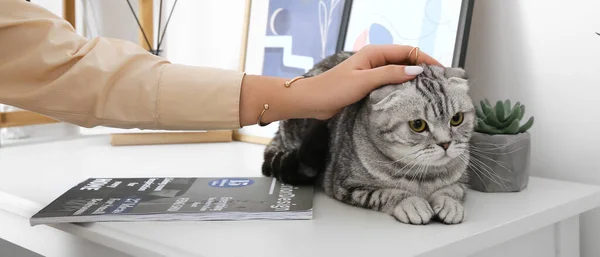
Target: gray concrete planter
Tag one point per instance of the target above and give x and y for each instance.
(499, 163)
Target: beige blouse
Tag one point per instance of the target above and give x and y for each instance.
(46, 67)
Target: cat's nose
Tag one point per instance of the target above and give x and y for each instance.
(444, 145)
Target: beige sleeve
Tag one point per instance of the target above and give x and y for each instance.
(46, 67)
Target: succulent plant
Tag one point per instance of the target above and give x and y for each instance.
(501, 118)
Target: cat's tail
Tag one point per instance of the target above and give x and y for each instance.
(297, 166)
(285, 165)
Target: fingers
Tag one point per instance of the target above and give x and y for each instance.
(380, 55)
(391, 74)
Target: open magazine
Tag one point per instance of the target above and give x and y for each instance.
(190, 199)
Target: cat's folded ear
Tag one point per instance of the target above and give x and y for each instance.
(381, 93)
(457, 78)
(455, 72)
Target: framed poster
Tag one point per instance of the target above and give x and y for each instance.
(286, 38)
(439, 28)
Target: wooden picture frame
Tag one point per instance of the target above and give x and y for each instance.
(23, 118)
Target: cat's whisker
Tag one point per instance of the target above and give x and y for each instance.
(489, 174)
(478, 171)
(399, 181)
(483, 164)
(425, 169)
(495, 146)
(414, 160)
(399, 160)
(487, 152)
(480, 155)
(484, 156)
(395, 173)
(507, 143)
(475, 154)
(415, 174)
(477, 174)
(415, 163)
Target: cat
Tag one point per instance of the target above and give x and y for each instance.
(402, 150)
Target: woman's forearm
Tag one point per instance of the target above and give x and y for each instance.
(284, 102)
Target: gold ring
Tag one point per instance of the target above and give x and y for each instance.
(416, 54)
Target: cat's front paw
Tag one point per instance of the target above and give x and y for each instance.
(448, 210)
(413, 210)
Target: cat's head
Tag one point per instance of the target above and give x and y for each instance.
(428, 120)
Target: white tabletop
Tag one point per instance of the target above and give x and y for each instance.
(36, 174)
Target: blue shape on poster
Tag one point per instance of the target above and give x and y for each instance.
(231, 182)
(379, 35)
(300, 21)
(274, 59)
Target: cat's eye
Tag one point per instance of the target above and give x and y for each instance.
(457, 119)
(418, 125)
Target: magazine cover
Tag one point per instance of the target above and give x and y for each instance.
(161, 199)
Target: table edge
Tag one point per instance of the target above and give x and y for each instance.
(133, 244)
(480, 241)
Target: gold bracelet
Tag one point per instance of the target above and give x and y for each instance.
(260, 123)
(287, 84)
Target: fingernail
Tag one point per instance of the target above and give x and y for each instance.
(413, 70)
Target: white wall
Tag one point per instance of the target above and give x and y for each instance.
(206, 33)
(545, 53)
(96, 23)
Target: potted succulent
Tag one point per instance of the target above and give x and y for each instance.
(500, 148)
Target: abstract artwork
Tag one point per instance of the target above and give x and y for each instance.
(435, 26)
(299, 34)
(291, 36)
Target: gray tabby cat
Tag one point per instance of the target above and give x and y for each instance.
(403, 150)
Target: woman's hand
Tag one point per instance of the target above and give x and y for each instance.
(369, 68)
(322, 96)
